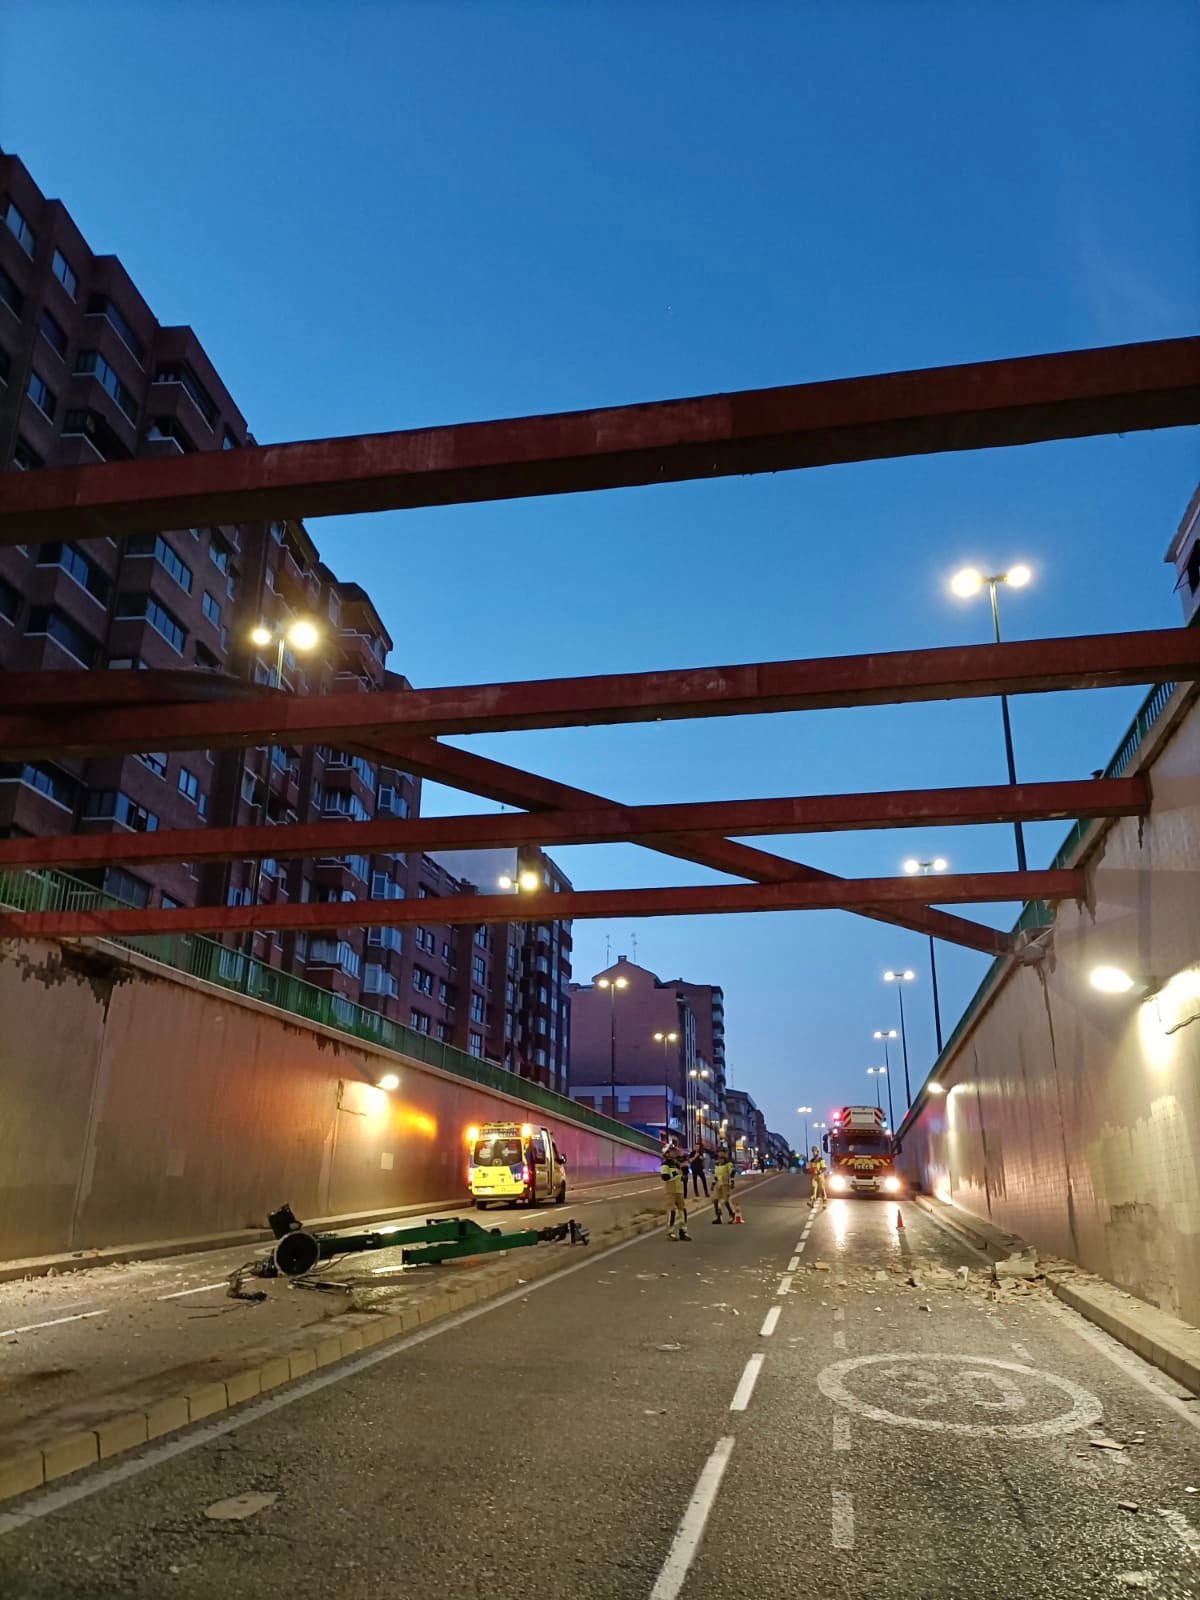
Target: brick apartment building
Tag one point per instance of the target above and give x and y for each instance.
(618, 1065)
(88, 374)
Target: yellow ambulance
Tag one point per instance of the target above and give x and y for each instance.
(513, 1163)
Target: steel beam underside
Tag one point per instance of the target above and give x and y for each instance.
(576, 905)
(978, 405)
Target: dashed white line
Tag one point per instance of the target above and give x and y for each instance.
(1182, 1528)
(839, 1313)
(1132, 1366)
(843, 1520)
(785, 1283)
(794, 1262)
(1020, 1350)
(745, 1388)
(769, 1321)
(839, 1340)
(841, 1431)
(691, 1529)
(800, 1248)
(55, 1322)
(180, 1294)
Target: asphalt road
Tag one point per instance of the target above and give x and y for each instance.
(646, 1425)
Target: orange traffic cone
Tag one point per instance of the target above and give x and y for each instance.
(899, 1220)
(737, 1214)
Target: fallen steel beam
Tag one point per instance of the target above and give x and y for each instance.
(916, 808)
(979, 405)
(842, 894)
(888, 678)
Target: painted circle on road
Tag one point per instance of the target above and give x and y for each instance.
(921, 1380)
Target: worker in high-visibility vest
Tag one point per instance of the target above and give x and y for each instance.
(671, 1173)
(723, 1186)
(816, 1165)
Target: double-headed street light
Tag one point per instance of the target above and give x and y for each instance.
(300, 635)
(912, 866)
(666, 1039)
(900, 976)
(805, 1112)
(966, 584)
(612, 985)
(697, 1073)
(877, 1073)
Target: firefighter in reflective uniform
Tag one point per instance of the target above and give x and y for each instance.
(722, 1185)
(816, 1165)
(671, 1173)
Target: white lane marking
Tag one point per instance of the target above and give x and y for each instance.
(745, 1388)
(794, 1262)
(1020, 1350)
(800, 1248)
(785, 1283)
(911, 1379)
(180, 1294)
(843, 1520)
(839, 1313)
(691, 1528)
(839, 1340)
(1180, 1525)
(1131, 1365)
(769, 1321)
(55, 1322)
(841, 1431)
(53, 1500)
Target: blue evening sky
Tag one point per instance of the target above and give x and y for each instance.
(387, 215)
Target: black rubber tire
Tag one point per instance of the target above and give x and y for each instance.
(560, 1199)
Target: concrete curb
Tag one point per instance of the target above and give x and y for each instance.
(1159, 1338)
(331, 1340)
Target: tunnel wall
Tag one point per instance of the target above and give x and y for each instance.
(138, 1104)
(1073, 1117)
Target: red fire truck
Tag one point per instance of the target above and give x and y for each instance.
(861, 1158)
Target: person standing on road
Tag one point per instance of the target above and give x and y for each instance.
(816, 1165)
(722, 1186)
(671, 1172)
(699, 1176)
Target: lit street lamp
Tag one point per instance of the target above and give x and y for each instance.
(612, 985)
(805, 1112)
(666, 1039)
(900, 978)
(938, 864)
(877, 1073)
(966, 584)
(697, 1073)
(300, 635)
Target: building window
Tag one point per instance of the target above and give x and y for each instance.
(382, 887)
(335, 953)
(20, 229)
(377, 981)
(189, 784)
(391, 802)
(206, 659)
(419, 1021)
(476, 1044)
(43, 619)
(77, 566)
(103, 804)
(25, 457)
(65, 274)
(152, 544)
(385, 938)
(10, 295)
(46, 779)
(345, 804)
(5, 366)
(52, 331)
(443, 1032)
(183, 375)
(100, 305)
(426, 941)
(10, 601)
(40, 392)
(422, 981)
(156, 760)
(134, 607)
(476, 1006)
(481, 938)
(211, 609)
(478, 969)
(91, 361)
(123, 885)
(219, 552)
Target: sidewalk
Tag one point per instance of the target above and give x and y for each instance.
(1158, 1337)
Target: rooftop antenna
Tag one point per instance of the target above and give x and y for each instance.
(633, 942)
(608, 949)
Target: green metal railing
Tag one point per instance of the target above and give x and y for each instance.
(1036, 914)
(45, 889)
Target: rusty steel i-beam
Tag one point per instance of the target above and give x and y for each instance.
(842, 894)
(973, 406)
(834, 813)
(887, 678)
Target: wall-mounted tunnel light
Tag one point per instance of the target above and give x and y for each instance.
(1111, 980)
(389, 1081)
(934, 1088)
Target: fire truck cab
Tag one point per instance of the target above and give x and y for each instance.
(511, 1162)
(861, 1155)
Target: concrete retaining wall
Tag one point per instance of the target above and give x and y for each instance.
(137, 1104)
(1074, 1116)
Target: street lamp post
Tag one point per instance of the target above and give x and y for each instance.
(805, 1112)
(885, 1034)
(876, 1073)
(666, 1039)
(612, 985)
(966, 584)
(901, 976)
(938, 864)
(520, 881)
(300, 635)
(694, 1134)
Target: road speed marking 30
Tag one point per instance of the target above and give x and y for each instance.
(920, 1381)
